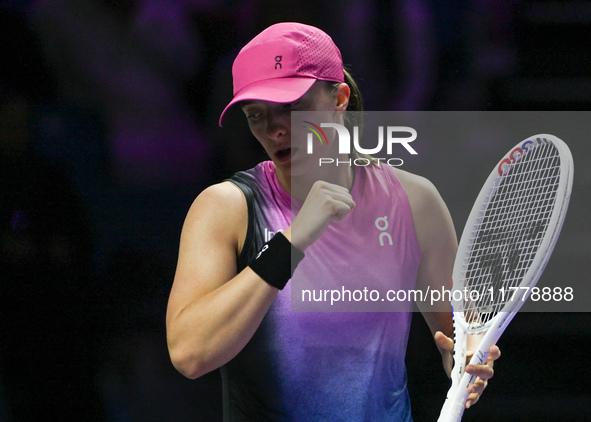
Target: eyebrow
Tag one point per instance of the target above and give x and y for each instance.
(245, 103)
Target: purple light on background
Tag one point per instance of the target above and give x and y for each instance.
(19, 221)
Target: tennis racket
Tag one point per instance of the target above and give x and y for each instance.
(506, 243)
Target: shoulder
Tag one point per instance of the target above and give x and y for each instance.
(419, 190)
(431, 216)
(222, 197)
(219, 211)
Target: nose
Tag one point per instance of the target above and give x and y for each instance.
(278, 125)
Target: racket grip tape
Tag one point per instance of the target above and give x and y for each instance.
(452, 411)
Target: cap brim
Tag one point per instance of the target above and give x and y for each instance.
(281, 90)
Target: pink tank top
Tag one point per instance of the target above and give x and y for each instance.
(336, 364)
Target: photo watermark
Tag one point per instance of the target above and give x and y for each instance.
(346, 142)
(369, 261)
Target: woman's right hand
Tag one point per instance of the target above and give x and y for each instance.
(325, 202)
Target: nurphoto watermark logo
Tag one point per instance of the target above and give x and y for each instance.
(386, 135)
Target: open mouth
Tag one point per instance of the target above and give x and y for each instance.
(283, 153)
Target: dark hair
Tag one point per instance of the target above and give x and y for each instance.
(355, 106)
(355, 100)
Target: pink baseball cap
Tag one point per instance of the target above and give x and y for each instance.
(282, 62)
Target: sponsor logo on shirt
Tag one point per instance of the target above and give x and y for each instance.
(269, 234)
(382, 225)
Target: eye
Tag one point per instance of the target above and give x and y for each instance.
(252, 113)
(253, 116)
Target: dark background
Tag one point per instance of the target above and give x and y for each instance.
(108, 131)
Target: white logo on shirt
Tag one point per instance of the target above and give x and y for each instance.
(382, 226)
(269, 234)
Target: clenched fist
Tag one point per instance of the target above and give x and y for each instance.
(325, 202)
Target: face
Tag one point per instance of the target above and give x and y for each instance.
(270, 123)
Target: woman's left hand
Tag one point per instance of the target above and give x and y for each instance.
(483, 372)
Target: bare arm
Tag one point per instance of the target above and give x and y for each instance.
(212, 311)
(438, 242)
(437, 238)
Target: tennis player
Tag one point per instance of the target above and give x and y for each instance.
(229, 307)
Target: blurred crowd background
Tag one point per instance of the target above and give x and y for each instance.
(108, 131)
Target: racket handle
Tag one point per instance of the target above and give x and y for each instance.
(452, 410)
(455, 402)
(454, 405)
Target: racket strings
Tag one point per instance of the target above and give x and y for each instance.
(512, 227)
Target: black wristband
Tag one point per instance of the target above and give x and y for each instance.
(276, 261)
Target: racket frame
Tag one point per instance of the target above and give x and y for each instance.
(454, 405)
